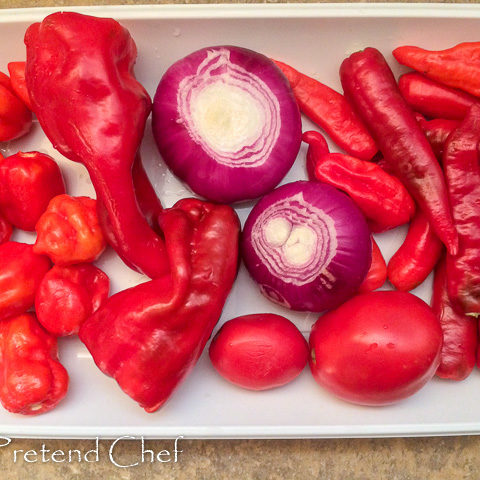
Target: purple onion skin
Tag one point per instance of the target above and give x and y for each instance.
(189, 160)
(347, 228)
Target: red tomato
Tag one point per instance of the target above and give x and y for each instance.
(377, 348)
(259, 351)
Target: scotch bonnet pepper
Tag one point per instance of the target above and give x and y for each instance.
(79, 74)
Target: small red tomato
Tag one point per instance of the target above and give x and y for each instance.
(68, 295)
(28, 181)
(69, 231)
(377, 348)
(259, 351)
(21, 271)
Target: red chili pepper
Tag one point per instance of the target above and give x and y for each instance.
(377, 274)
(370, 85)
(21, 271)
(17, 77)
(457, 67)
(462, 170)
(416, 258)
(437, 132)
(460, 332)
(329, 109)
(32, 380)
(150, 336)
(6, 229)
(80, 80)
(28, 181)
(318, 147)
(67, 296)
(69, 231)
(433, 99)
(381, 197)
(15, 117)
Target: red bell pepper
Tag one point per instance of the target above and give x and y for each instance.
(457, 67)
(433, 99)
(369, 84)
(28, 181)
(381, 197)
(377, 273)
(460, 332)
(331, 111)
(69, 232)
(21, 271)
(79, 75)
(15, 117)
(6, 229)
(150, 336)
(17, 78)
(462, 170)
(32, 380)
(67, 296)
(417, 256)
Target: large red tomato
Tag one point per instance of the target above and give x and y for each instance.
(377, 348)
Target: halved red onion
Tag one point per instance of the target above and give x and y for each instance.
(226, 123)
(307, 245)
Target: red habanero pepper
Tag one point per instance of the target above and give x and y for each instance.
(28, 181)
(149, 337)
(377, 274)
(381, 197)
(457, 67)
(462, 171)
(79, 75)
(68, 231)
(433, 99)
(15, 117)
(369, 84)
(68, 295)
(21, 271)
(417, 256)
(6, 229)
(458, 354)
(331, 111)
(17, 77)
(32, 380)
(437, 132)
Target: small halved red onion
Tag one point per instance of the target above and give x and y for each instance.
(307, 245)
(225, 121)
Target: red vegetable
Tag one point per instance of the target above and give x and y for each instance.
(307, 245)
(225, 122)
(21, 271)
(330, 110)
(259, 351)
(28, 181)
(437, 132)
(460, 332)
(79, 75)
(381, 197)
(67, 296)
(416, 258)
(19, 85)
(462, 170)
(377, 348)
(433, 99)
(319, 147)
(457, 67)
(377, 273)
(32, 380)
(370, 85)
(69, 231)
(15, 117)
(6, 229)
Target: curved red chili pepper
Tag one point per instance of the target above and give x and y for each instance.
(377, 274)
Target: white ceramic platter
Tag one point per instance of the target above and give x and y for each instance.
(314, 39)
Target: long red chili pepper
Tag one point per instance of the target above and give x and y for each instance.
(370, 85)
(458, 67)
(462, 170)
(329, 109)
(437, 132)
(417, 256)
(377, 273)
(458, 355)
(434, 99)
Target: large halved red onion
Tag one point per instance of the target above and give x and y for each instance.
(226, 123)
(307, 245)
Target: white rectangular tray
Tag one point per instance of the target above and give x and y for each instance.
(314, 38)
